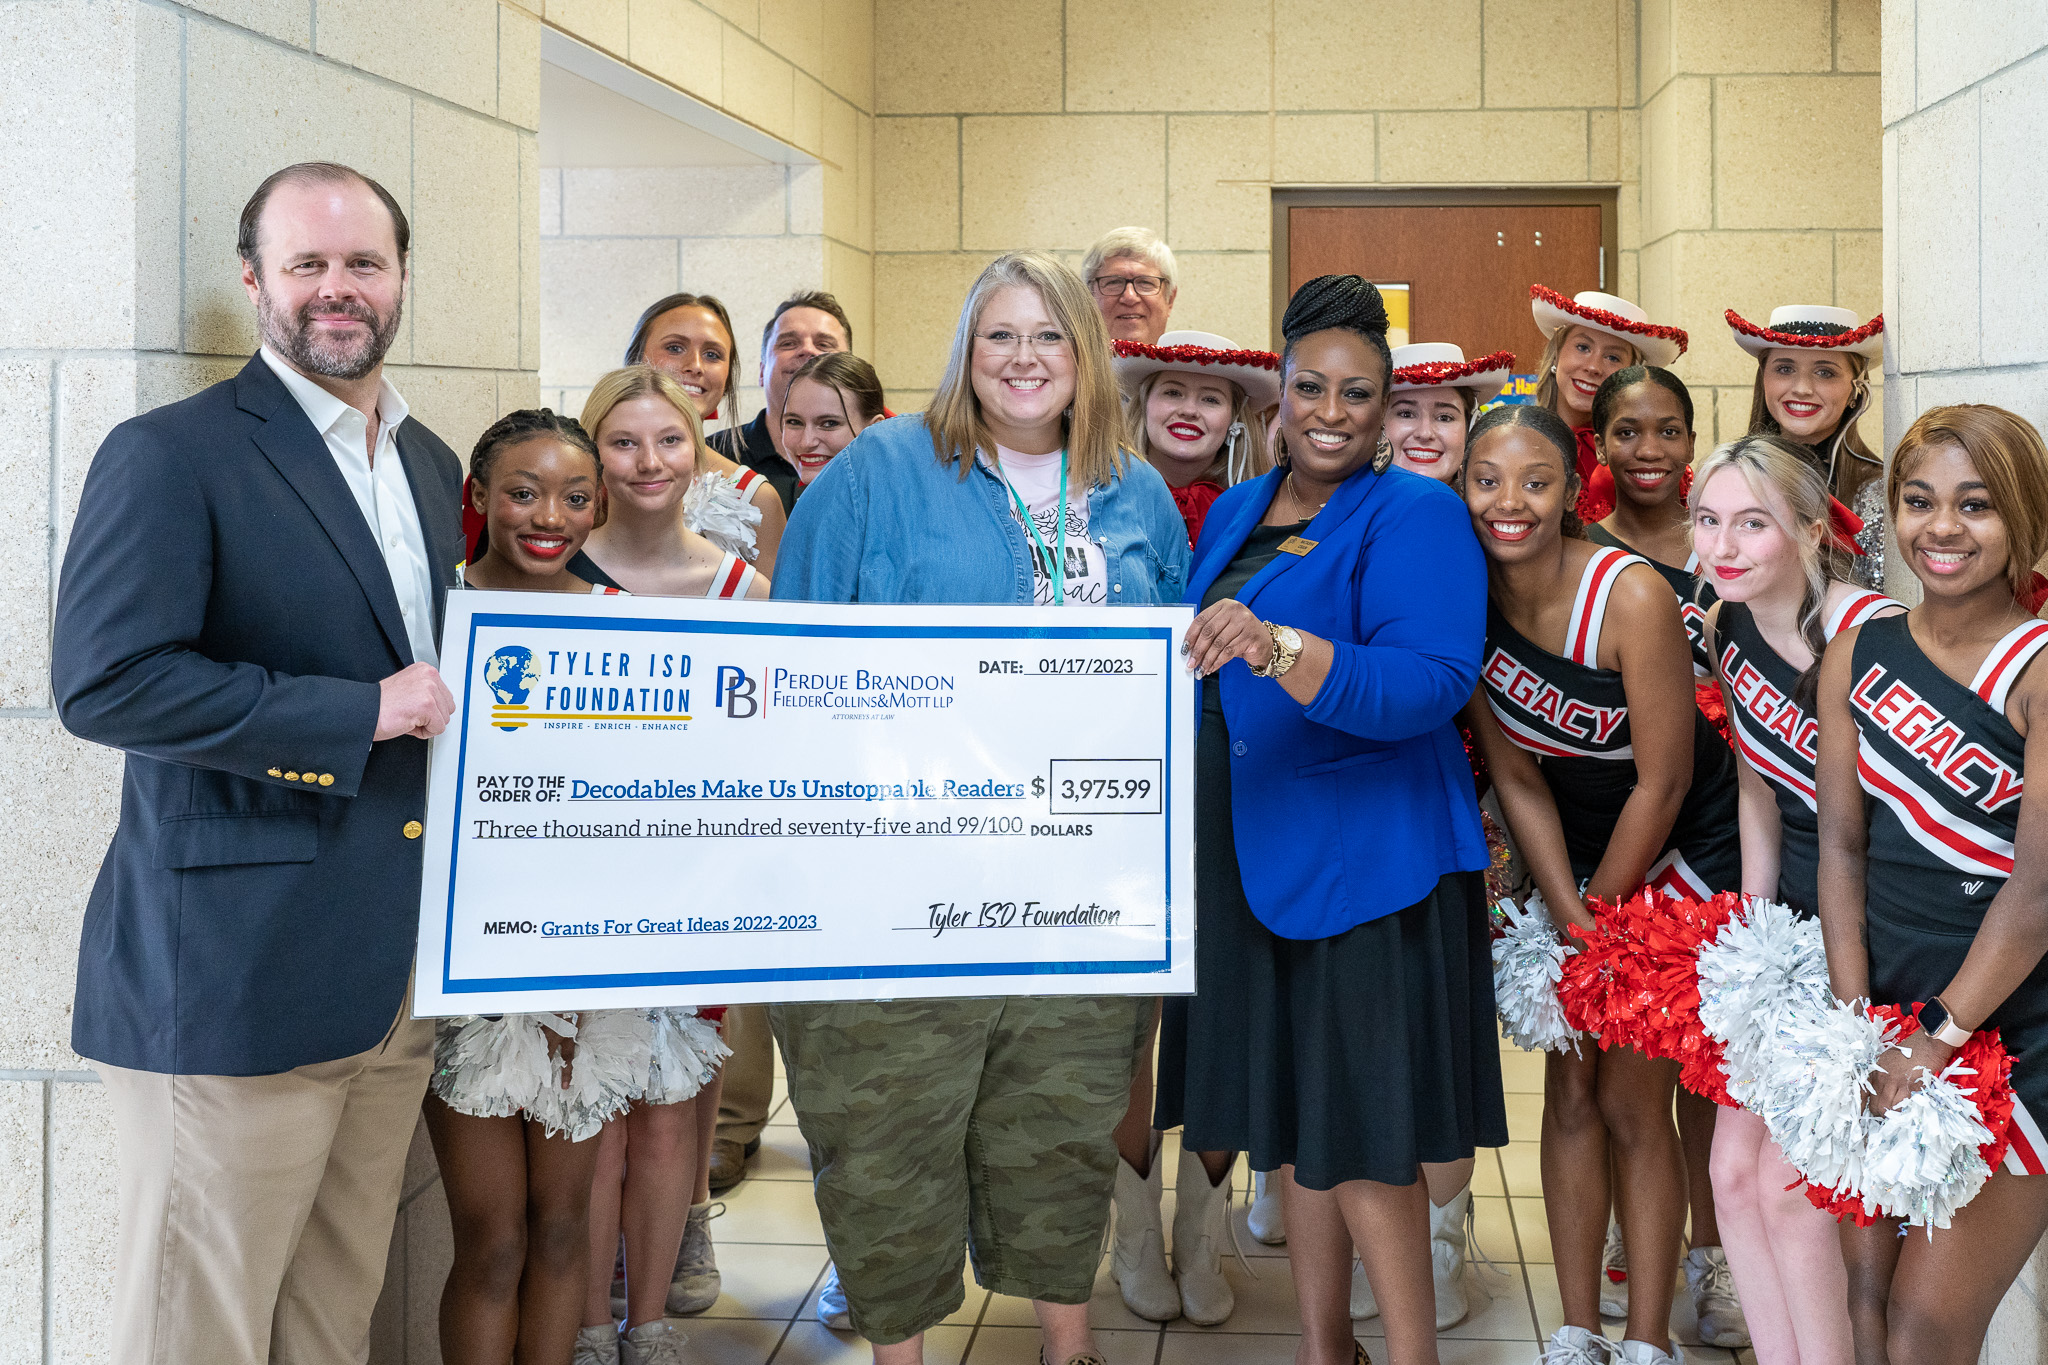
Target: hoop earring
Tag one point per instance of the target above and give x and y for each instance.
(1382, 456)
(1281, 459)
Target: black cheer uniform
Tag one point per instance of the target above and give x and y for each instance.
(1695, 595)
(1944, 769)
(1573, 716)
(1780, 738)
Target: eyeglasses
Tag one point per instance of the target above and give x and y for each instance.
(1006, 343)
(1113, 286)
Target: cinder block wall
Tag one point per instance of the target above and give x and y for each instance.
(135, 130)
(614, 240)
(134, 133)
(1965, 288)
(1760, 186)
(799, 70)
(1741, 137)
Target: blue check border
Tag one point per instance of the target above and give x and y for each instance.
(1159, 636)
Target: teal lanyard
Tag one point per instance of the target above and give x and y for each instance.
(1058, 567)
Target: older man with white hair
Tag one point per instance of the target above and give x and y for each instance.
(1131, 273)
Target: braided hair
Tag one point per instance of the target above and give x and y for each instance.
(524, 425)
(1341, 302)
(510, 430)
(1626, 378)
(1551, 428)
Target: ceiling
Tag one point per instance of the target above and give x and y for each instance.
(583, 123)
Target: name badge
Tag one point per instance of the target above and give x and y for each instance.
(1295, 545)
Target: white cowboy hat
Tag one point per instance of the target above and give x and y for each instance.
(1255, 372)
(1811, 326)
(1659, 345)
(1441, 364)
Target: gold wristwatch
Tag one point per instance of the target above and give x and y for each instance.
(1286, 649)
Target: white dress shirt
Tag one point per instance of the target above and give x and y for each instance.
(381, 491)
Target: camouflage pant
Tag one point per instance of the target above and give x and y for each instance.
(933, 1122)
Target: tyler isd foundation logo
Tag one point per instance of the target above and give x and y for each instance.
(624, 691)
(510, 674)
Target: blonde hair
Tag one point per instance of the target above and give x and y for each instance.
(1255, 459)
(2008, 455)
(641, 381)
(1094, 421)
(1776, 469)
(1546, 386)
(1846, 437)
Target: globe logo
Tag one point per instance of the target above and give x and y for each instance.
(510, 674)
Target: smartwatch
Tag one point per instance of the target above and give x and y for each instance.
(1938, 1024)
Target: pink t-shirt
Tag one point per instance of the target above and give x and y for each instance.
(1036, 479)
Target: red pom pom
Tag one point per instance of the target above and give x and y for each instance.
(1635, 982)
(1714, 706)
(1990, 1089)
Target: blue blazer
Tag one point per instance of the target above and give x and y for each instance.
(224, 617)
(1352, 807)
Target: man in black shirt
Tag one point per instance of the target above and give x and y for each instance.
(805, 324)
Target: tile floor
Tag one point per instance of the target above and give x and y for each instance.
(771, 1252)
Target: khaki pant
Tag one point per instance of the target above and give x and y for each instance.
(256, 1211)
(749, 1083)
(938, 1127)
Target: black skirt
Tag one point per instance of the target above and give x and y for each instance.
(1354, 1057)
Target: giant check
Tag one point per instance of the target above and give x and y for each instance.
(647, 800)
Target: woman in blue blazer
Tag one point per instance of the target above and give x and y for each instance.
(1344, 1031)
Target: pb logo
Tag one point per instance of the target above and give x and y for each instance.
(735, 692)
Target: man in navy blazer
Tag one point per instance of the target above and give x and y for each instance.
(250, 609)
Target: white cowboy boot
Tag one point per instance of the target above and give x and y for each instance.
(1137, 1258)
(1201, 1229)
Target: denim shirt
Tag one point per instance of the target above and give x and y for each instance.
(887, 522)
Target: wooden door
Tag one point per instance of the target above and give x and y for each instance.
(1468, 267)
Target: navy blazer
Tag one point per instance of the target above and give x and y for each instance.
(224, 617)
(1353, 806)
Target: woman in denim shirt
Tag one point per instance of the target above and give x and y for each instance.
(925, 1117)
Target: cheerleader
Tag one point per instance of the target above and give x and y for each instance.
(1927, 722)
(1760, 531)
(649, 438)
(516, 1099)
(1194, 414)
(1643, 438)
(1610, 779)
(1811, 388)
(1588, 337)
(688, 337)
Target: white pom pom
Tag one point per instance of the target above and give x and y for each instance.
(1809, 1091)
(1921, 1162)
(1528, 962)
(685, 1055)
(715, 509)
(606, 1075)
(494, 1068)
(1766, 967)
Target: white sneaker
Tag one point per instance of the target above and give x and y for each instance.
(1266, 1220)
(1714, 1304)
(1614, 1276)
(1137, 1252)
(1643, 1353)
(1576, 1346)
(1447, 1229)
(694, 1285)
(831, 1307)
(1363, 1304)
(652, 1343)
(597, 1345)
